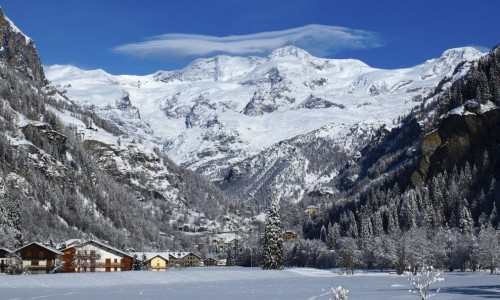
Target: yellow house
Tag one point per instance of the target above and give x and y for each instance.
(158, 263)
(311, 209)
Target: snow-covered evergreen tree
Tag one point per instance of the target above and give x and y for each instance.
(272, 246)
(136, 263)
(333, 235)
(322, 234)
(465, 221)
(144, 262)
(229, 255)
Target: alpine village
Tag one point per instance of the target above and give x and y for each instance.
(170, 172)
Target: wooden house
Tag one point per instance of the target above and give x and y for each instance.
(94, 256)
(183, 260)
(38, 258)
(210, 262)
(191, 260)
(4, 256)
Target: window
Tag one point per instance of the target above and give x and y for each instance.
(34, 262)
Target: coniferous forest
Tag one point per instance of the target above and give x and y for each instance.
(446, 217)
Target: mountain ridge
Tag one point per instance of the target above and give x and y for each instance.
(209, 122)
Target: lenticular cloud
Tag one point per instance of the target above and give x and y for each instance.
(319, 40)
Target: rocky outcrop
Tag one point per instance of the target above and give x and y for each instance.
(42, 136)
(19, 51)
(458, 138)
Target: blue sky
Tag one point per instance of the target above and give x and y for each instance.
(141, 37)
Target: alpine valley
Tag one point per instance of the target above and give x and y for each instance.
(170, 159)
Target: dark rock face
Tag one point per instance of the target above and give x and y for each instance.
(19, 52)
(458, 138)
(47, 139)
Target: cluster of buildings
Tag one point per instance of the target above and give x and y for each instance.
(93, 256)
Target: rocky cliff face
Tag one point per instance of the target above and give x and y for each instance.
(19, 51)
(461, 136)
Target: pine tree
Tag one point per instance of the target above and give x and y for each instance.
(333, 235)
(322, 234)
(465, 221)
(136, 263)
(493, 216)
(272, 246)
(229, 255)
(144, 262)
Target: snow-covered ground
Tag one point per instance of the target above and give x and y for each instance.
(238, 283)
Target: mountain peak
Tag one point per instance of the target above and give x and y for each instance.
(19, 51)
(289, 51)
(464, 53)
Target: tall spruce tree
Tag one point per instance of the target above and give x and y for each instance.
(272, 246)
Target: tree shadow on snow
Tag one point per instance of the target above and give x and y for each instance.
(483, 291)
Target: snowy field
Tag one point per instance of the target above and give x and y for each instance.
(237, 283)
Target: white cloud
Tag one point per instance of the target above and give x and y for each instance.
(319, 40)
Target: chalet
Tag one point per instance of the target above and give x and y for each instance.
(94, 256)
(290, 235)
(38, 258)
(4, 256)
(183, 259)
(210, 262)
(191, 260)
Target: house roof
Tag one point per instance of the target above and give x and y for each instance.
(151, 255)
(210, 258)
(42, 246)
(181, 254)
(102, 245)
(165, 255)
(5, 249)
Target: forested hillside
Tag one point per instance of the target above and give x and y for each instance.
(66, 173)
(430, 189)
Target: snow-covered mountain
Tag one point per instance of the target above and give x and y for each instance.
(218, 113)
(66, 172)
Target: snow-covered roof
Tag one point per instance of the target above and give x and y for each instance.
(181, 254)
(5, 249)
(102, 245)
(41, 245)
(165, 255)
(151, 255)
